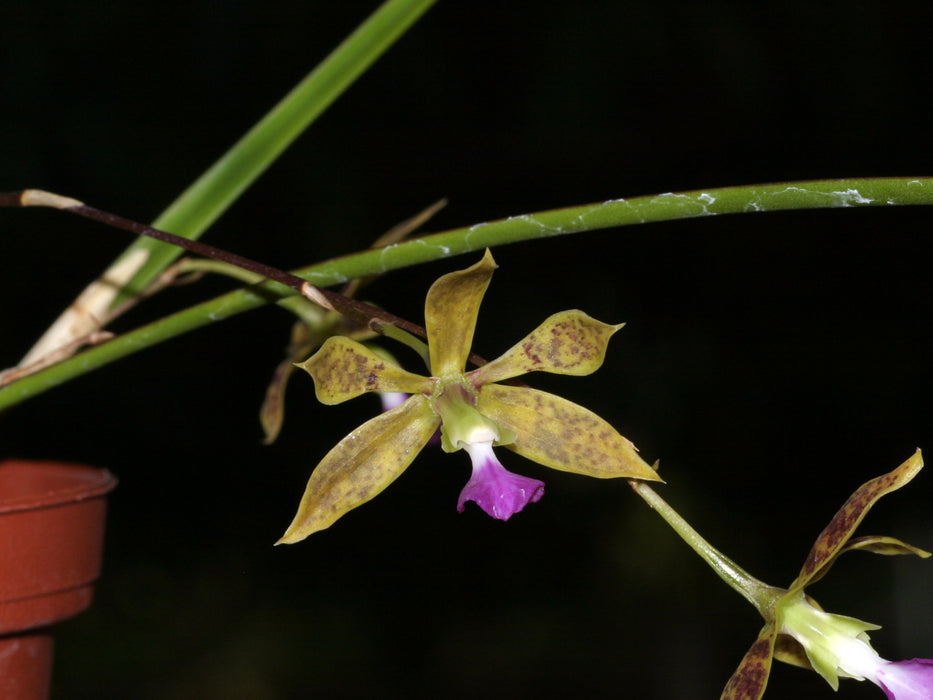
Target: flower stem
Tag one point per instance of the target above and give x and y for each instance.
(816, 194)
(759, 594)
(311, 314)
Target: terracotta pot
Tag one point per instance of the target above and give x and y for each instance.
(51, 544)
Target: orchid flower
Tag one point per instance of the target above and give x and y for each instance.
(799, 632)
(836, 646)
(473, 411)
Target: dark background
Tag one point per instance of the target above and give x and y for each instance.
(772, 362)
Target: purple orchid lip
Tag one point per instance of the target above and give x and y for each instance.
(907, 680)
(495, 489)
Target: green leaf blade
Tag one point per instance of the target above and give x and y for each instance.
(205, 200)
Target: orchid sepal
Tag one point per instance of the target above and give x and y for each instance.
(562, 435)
(361, 465)
(569, 342)
(834, 536)
(343, 369)
(751, 677)
(450, 312)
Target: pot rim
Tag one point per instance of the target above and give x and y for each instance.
(29, 485)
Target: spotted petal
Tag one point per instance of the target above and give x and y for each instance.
(569, 342)
(362, 465)
(881, 544)
(877, 544)
(272, 412)
(751, 677)
(840, 529)
(450, 313)
(343, 369)
(560, 434)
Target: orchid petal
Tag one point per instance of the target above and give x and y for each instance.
(881, 544)
(877, 544)
(272, 412)
(907, 680)
(840, 529)
(344, 369)
(562, 435)
(362, 465)
(569, 342)
(751, 677)
(450, 313)
(494, 488)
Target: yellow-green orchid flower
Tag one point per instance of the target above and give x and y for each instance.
(797, 631)
(473, 411)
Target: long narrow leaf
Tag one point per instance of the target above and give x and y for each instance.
(220, 186)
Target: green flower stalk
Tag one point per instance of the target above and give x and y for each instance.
(472, 409)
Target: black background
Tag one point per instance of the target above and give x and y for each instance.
(772, 362)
